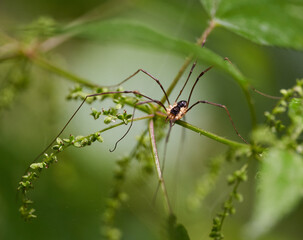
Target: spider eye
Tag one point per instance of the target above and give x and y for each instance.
(182, 103)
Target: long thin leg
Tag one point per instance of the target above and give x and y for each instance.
(224, 107)
(148, 74)
(191, 70)
(264, 94)
(200, 75)
(131, 121)
(255, 90)
(164, 155)
(84, 100)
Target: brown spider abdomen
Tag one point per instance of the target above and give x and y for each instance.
(177, 111)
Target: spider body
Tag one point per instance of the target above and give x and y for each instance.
(177, 111)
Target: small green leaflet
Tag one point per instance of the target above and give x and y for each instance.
(280, 188)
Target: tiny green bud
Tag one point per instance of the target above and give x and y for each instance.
(108, 119)
(230, 179)
(59, 141)
(77, 144)
(56, 147)
(232, 210)
(283, 92)
(99, 138)
(118, 106)
(239, 197)
(37, 166)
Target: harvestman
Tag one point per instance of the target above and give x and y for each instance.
(174, 112)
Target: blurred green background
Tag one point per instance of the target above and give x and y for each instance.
(70, 197)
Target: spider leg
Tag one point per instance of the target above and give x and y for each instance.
(225, 108)
(198, 78)
(148, 74)
(80, 106)
(255, 90)
(131, 121)
(191, 70)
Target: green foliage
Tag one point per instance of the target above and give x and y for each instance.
(228, 206)
(270, 22)
(145, 36)
(277, 144)
(60, 145)
(40, 29)
(15, 79)
(206, 183)
(115, 200)
(281, 182)
(35, 169)
(176, 231)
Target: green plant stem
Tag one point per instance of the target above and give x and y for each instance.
(194, 128)
(157, 164)
(213, 136)
(230, 200)
(188, 60)
(59, 71)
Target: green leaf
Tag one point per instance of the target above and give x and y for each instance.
(138, 34)
(176, 231)
(210, 6)
(280, 189)
(266, 22)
